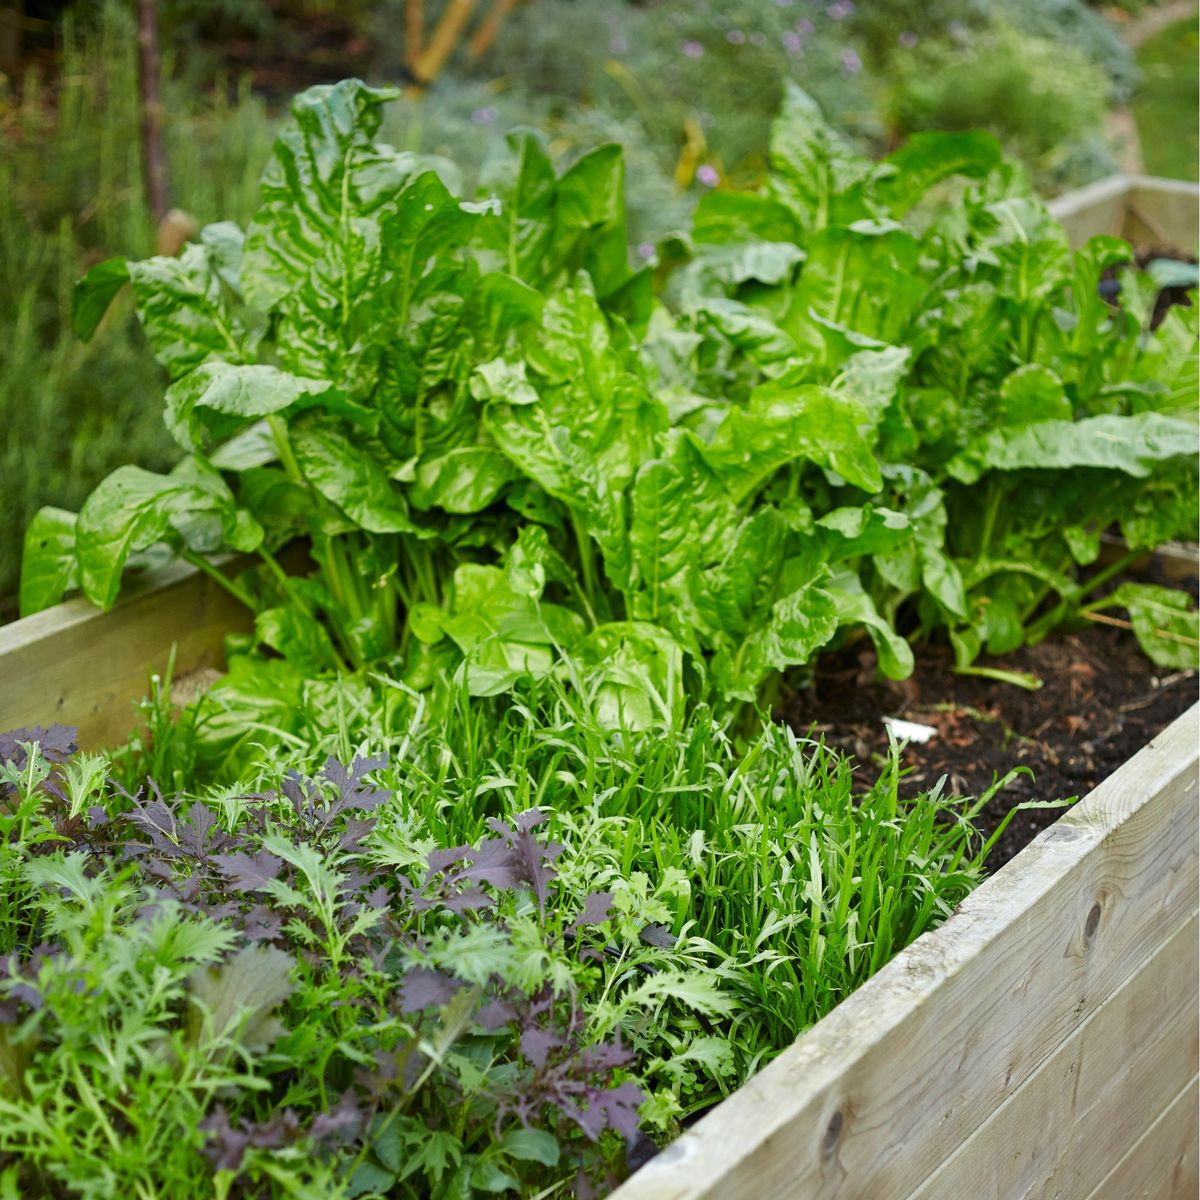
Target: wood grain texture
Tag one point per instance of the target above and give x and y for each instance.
(1069, 1125)
(1143, 208)
(878, 1095)
(1162, 1165)
(79, 666)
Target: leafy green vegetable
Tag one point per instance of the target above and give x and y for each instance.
(878, 400)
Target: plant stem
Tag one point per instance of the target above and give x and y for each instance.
(221, 580)
(1058, 614)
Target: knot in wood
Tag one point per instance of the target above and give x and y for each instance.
(833, 1133)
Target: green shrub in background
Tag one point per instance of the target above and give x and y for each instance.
(71, 193)
(890, 27)
(1044, 100)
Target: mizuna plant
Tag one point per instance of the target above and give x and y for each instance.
(834, 408)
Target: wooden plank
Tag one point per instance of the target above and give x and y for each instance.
(874, 1098)
(1145, 209)
(1164, 213)
(1070, 1124)
(1163, 1163)
(1098, 208)
(80, 666)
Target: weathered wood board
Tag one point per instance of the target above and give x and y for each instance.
(77, 665)
(977, 1060)
(1146, 210)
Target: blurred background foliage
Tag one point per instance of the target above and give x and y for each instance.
(687, 86)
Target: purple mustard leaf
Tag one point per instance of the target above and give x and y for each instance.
(349, 782)
(342, 1124)
(423, 988)
(378, 898)
(468, 900)
(619, 1106)
(438, 861)
(225, 1146)
(538, 1042)
(56, 742)
(262, 924)
(246, 873)
(493, 863)
(197, 828)
(96, 816)
(495, 1014)
(595, 910)
(529, 819)
(355, 830)
(658, 935)
(156, 819)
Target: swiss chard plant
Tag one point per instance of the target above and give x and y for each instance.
(834, 409)
(1013, 414)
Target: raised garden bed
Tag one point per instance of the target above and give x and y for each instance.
(1043, 1039)
(1042, 1042)
(1050, 1017)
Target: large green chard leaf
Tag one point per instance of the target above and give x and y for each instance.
(182, 308)
(797, 625)
(133, 508)
(503, 634)
(633, 675)
(813, 166)
(217, 398)
(904, 177)
(350, 478)
(465, 480)
(854, 606)
(49, 565)
(94, 293)
(784, 423)
(325, 176)
(1134, 445)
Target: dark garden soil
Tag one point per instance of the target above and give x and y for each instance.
(1100, 702)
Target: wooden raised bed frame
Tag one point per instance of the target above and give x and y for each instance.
(1042, 1042)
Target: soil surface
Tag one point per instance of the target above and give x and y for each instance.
(1100, 702)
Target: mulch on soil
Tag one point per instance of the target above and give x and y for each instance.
(1100, 702)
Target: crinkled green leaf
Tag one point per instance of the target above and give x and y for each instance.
(350, 478)
(133, 508)
(219, 397)
(1133, 445)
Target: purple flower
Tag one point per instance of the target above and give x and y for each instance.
(793, 43)
(619, 44)
(692, 49)
(645, 250)
(485, 115)
(707, 175)
(804, 26)
(908, 39)
(851, 63)
(736, 36)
